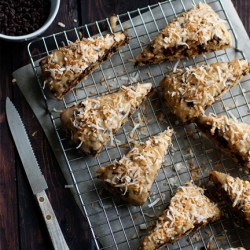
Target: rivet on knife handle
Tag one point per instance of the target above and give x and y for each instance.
(36, 179)
(51, 221)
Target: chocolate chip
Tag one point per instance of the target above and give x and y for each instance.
(190, 104)
(201, 49)
(151, 47)
(21, 17)
(19, 9)
(33, 14)
(27, 16)
(26, 24)
(168, 51)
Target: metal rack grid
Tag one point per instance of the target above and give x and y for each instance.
(115, 224)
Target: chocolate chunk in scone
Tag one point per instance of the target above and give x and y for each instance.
(236, 193)
(66, 67)
(188, 211)
(94, 121)
(195, 32)
(190, 91)
(133, 175)
(230, 135)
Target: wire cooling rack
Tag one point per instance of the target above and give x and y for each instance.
(115, 224)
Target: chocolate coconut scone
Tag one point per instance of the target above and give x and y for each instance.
(236, 193)
(195, 32)
(188, 211)
(133, 175)
(231, 136)
(64, 68)
(94, 121)
(190, 91)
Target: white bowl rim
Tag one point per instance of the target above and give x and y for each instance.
(37, 32)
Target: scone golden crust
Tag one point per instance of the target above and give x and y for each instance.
(190, 91)
(237, 193)
(231, 136)
(133, 175)
(94, 121)
(195, 32)
(188, 211)
(64, 68)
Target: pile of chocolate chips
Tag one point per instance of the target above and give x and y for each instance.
(21, 17)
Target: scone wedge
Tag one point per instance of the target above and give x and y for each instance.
(94, 121)
(236, 193)
(188, 211)
(231, 136)
(195, 32)
(133, 175)
(64, 68)
(190, 91)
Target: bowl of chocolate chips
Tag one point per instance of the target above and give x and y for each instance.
(22, 20)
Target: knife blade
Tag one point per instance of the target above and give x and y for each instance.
(35, 177)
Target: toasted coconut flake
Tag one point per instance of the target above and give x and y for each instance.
(154, 202)
(61, 24)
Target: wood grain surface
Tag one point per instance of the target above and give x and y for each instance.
(21, 223)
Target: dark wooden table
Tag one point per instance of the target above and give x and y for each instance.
(21, 224)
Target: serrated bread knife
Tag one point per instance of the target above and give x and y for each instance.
(35, 177)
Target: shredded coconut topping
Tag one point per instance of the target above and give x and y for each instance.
(237, 190)
(190, 91)
(94, 121)
(236, 133)
(65, 66)
(133, 175)
(187, 209)
(197, 31)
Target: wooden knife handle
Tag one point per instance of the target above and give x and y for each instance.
(51, 221)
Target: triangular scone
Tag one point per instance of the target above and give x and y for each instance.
(94, 121)
(64, 68)
(195, 32)
(237, 193)
(231, 136)
(188, 211)
(133, 175)
(190, 91)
